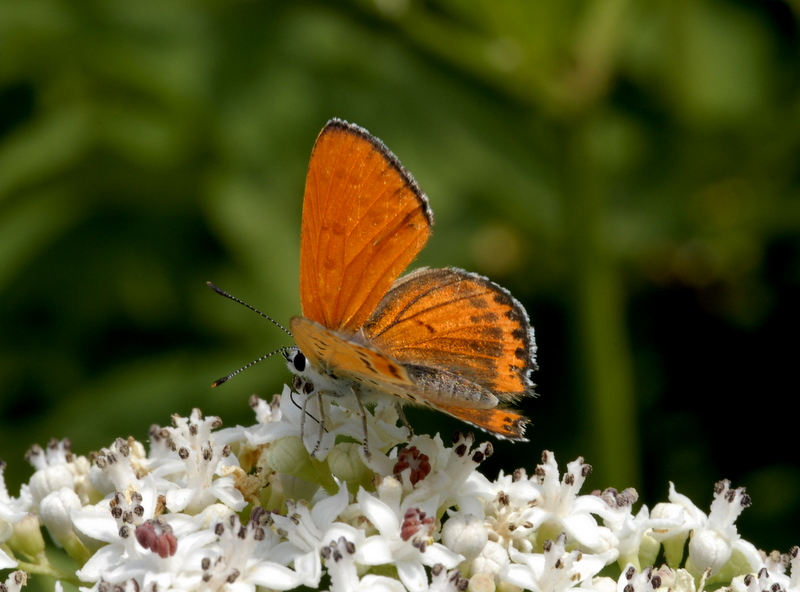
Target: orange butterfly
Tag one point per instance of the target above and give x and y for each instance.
(443, 338)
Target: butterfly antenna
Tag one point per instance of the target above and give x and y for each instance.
(222, 292)
(224, 379)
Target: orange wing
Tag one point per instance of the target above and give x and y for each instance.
(364, 220)
(503, 423)
(459, 322)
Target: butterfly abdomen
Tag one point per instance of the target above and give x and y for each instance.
(437, 386)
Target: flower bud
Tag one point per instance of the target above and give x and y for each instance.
(709, 549)
(289, 455)
(604, 584)
(465, 534)
(492, 559)
(481, 582)
(54, 511)
(648, 550)
(27, 538)
(50, 479)
(345, 462)
(672, 532)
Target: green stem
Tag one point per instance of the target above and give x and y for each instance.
(601, 327)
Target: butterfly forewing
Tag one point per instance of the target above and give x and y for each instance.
(364, 220)
(459, 322)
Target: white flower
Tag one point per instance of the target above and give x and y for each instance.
(118, 468)
(777, 563)
(518, 512)
(309, 530)
(15, 581)
(543, 506)
(444, 473)
(12, 511)
(6, 561)
(632, 580)
(142, 546)
(423, 519)
(340, 562)
(679, 580)
(771, 577)
(561, 509)
(630, 531)
(553, 571)
(197, 464)
(56, 467)
(715, 543)
(272, 423)
(242, 560)
(425, 474)
(405, 541)
(794, 561)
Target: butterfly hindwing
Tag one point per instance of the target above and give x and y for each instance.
(460, 322)
(503, 423)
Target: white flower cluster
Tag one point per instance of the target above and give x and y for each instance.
(286, 504)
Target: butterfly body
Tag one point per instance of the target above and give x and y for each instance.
(442, 338)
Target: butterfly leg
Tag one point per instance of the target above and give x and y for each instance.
(321, 420)
(321, 425)
(403, 420)
(300, 385)
(363, 412)
(306, 387)
(303, 420)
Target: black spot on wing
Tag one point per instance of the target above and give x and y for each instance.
(478, 303)
(485, 318)
(367, 363)
(394, 370)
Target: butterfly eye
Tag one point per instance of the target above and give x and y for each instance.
(299, 362)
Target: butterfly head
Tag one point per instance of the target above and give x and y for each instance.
(298, 364)
(295, 360)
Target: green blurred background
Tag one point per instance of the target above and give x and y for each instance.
(629, 170)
